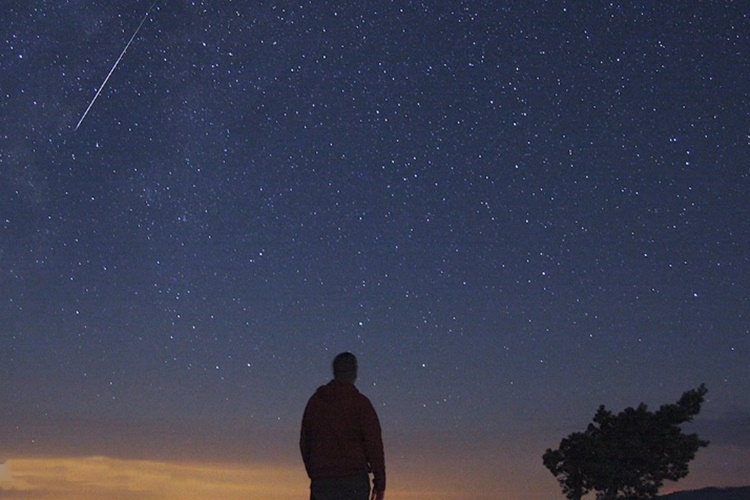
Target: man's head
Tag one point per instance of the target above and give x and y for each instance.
(345, 367)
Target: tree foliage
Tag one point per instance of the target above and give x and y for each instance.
(628, 455)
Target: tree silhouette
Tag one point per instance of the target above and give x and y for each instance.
(628, 455)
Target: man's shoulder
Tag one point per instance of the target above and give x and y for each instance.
(319, 393)
(363, 400)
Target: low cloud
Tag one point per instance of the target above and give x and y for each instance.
(107, 478)
(4, 473)
(104, 478)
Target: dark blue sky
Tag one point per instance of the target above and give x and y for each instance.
(510, 213)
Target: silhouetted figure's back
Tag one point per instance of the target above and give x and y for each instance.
(340, 439)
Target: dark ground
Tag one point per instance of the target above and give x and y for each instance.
(740, 493)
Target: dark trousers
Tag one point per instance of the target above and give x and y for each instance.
(341, 488)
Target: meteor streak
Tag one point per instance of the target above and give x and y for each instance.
(115, 65)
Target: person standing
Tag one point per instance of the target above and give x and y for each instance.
(340, 439)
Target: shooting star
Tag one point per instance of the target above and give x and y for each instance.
(115, 64)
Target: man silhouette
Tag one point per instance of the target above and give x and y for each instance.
(340, 439)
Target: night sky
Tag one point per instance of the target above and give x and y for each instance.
(511, 212)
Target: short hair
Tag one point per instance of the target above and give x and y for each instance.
(345, 366)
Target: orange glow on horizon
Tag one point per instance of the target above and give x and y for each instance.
(108, 478)
(475, 477)
(105, 478)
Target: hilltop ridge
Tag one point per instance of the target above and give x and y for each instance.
(737, 493)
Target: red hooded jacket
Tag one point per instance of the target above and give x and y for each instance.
(340, 435)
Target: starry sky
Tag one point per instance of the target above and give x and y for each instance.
(512, 212)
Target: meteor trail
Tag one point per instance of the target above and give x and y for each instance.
(115, 65)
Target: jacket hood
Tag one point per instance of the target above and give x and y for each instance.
(335, 390)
